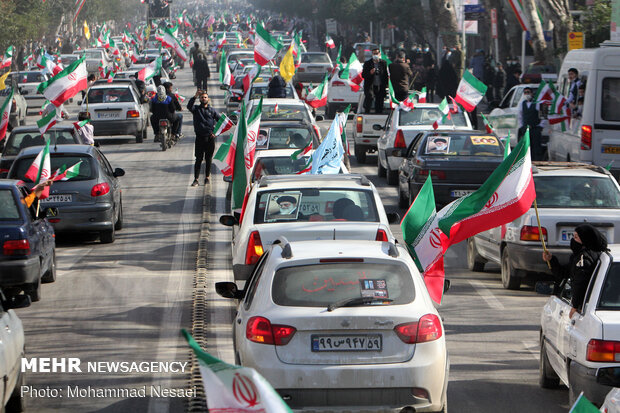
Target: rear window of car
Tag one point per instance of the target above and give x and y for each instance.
(319, 285)
(610, 104)
(30, 77)
(258, 91)
(110, 95)
(427, 116)
(87, 170)
(281, 165)
(314, 58)
(610, 293)
(314, 204)
(462, 145)
(20, 140)
(93, 54)
(284, 138)
(285, 112)
(8, 207)
(576, 192)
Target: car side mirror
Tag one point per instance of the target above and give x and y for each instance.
(446, 285)
(393, 217)
(228, 220)
(319, 118)
(223, 87)
(17, 301)
(377, 127)
(119, 172)
(229, 289)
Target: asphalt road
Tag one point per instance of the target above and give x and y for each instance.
(127, 301)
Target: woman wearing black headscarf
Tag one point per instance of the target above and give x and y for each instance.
(587, 245)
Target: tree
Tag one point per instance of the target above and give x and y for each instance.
(590, 22)
(558, 12)
(541, 52)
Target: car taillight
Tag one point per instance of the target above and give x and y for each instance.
(337, 83)
(16, 247)
(381, 235)
(400, 139)
(260, 330)
(301, 69)
(133, 114)
(434, 174)
(428, 328)
(360, 124)
(530, 233)
(603, 350)
(100, 189)
(4, 171)
(255, 249)
(586, 137)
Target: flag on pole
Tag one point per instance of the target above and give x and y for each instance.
(487, 124)
(338, 64)
(226, 78)
(301, 152)
(223, 124)
(79, 4)
(317, 97)
(265, 46)
(445, 111)
(3, 80)
(231, 388)
(64, 173)
(7, 58)
(470, 91)
(408, 103)
(328, 156)
(6, 114)
(40, 169)
(287, 65)
(329, 42)
(422, 95)
(546, 92)
(151, 70)
(352, 73)
(384, 57)
(220, 40)
(393, 101)
(171, 41)
(583, 405)
(245, 147)
(49, 118)
(250, 77)
(65, 84)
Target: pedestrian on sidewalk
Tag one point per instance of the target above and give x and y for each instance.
(205, 119)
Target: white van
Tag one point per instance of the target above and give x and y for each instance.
(595, 138)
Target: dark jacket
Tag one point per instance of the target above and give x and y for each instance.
(369, 78)
(163, 110)
(276, 87)
(511, 81)
(175, 102)
(204, 118)
(201, 67)
(401, 74)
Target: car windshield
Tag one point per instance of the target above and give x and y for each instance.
(428, 116)
(19, 140)
(610, 293)
(463, 145)
(314, 58)
(285, 112)
(238, 56)
(67, 60)
(576, 192)
(278, 165)
(315, 204)
(258, 91)
(93, 54)
(284, 138)
(8, 207)
(109, 95)
(319, 285)
(30, 77)
(87, 168)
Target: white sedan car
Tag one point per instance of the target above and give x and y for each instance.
(306, 207)
(342, 325)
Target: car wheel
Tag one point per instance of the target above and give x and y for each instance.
(474, 261)
(380, 169)
(119, 222)
(360, 154)
(16, 403)
(392, 176)
(547, 378)
(107, 237)
(511, 279)
(139, 137)
(50, 275)
(34, 291)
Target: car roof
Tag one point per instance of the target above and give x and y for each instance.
(34, 128)
(128, 83)
(312, 181)
(284, 124)
(457, 132)
(341, 248)
(546, 168)
(275, 153)
(73, 148)
(282, 101)
(323, 53)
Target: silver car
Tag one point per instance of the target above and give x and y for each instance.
(28, 82)
(313, 67)
(88, 202)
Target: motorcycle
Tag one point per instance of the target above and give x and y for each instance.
(164, 136)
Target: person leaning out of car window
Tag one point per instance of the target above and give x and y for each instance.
(37, 190)
(587, 245)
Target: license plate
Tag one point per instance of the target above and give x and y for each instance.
(457, 193)
(108, 115)
(566, 235)
(309, 208)
(315, 68)
(357, 342)
(57, 198)
(611, 149)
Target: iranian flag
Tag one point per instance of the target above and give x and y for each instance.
(318, 96)
(45, 61)
(135, 53)
(506, 195)
(265, 46)
(408, 103)
(49, 119)
(352, 73)
(487, 124)
(6, 114)
(470, 91)
(243, 160)
(422, 95)
(583, 405)
(232, 388)
(151, 70)
(250, 77)
(220, 40)
(329, 42)
(226, 78)
(7, 59)
(559, 112)
(393, 101)
(445, 111)
(64, 173)
(301, 152)
(546, 92)
(223, 124)
(170, 40)
(66, 84)
(40, 169)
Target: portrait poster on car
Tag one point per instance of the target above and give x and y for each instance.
(438, 144)
(283, 206)
(262, 141)
(374, 288)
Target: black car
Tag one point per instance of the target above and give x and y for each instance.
(458, 162)
(28, 254)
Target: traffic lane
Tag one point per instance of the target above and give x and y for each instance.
(125, 301)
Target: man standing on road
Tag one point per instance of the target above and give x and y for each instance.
(375, 77)
(205, 118)
(202, 71)
(400, 73)
(529, 116)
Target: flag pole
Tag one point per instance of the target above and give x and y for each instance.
(540, 233)
(38, 205)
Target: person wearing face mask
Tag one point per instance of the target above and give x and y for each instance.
(587, 245)
(375, 77)
(205, 119)
(529, 116)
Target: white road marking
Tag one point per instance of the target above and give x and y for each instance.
(533, 347)
(486, 295)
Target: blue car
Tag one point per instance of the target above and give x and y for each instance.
(27, 243)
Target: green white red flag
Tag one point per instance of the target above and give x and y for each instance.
(393, 101)
(301, 152)
(223, 124)
(171, 41)
(64, 173)
(422, 95)
(226, 77)
(7, 58)
(546, 92)
(487, 125)
(232, 388)
(559, 112)
(583, 405)
(352, 73)
(220, 40)
(49, 118)
(40, 169)
(151, 70)
(250, 77)
(445, 111)
(265, 46)
(408, 103)
(470, 91)
(329, 42)
(317, 97)
(65, 84)
(5, 110)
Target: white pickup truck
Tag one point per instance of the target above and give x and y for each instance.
(364, 136)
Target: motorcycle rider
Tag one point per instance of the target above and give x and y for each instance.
(178, 116)
(162, 107)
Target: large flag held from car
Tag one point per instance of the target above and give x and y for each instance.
(328, 156)
(265, 46)
(5, 111)
(151, 70)
(171, 41)
(66, 84)
(317, 97)
(40, 169)
(470, 91)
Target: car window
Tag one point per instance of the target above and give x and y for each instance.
(314, 204)
(104, 164)
(110, 95)
(280, 165)
(507, 99)
(284, 138)
(319, 285)
(314, 58)
(9, 209)
(253, 281)
(610, 292)
(415, 144)
(517, 96)
(462, 145)
(285, 112)
(258, 91)
(30, 77)
(610, 99)
(87, 169)
(25, 139)
(427, 116)
(576, 192)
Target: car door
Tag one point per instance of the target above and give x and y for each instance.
(108, 172)
(409, 163)
(40, 233)
(13, 342)
(579, 328)
(7, 353)
(557, 329)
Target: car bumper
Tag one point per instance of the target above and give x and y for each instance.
(587, 379)
(527, 257)
(117, 127)
(369, 142)
(310, 76)
(97, 217)
(18, 272)
(341, 104)
(34, 102)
